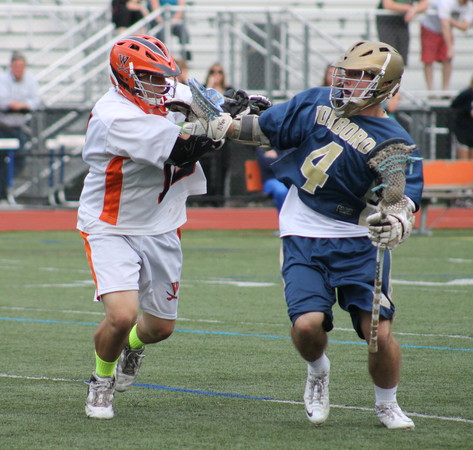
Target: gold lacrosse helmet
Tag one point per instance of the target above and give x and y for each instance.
(381, 61)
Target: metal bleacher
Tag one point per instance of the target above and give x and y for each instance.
(277, 48)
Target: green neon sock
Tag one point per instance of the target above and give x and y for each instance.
(133, 340)
(104, 368)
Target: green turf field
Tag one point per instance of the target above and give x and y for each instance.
(229, 377)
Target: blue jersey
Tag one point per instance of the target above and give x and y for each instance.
(327, 156)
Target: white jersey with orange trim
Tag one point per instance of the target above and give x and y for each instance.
(129, 189)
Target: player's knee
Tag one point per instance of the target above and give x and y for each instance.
(122, 321)
(385, 335)
(308, 324)
(160, 335)
(158, 330)
(163, 333)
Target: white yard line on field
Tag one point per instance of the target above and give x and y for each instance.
(252, 284)
(291, 402)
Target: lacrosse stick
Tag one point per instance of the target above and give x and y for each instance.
(206, 103)
(389, 161)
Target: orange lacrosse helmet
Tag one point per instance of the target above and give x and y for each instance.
(144, 72)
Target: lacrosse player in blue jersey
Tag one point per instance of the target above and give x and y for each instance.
(331, 224)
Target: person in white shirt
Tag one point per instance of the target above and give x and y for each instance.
(437, 40)
(142, 168)
(19, 96)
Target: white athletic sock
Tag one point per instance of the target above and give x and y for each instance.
(320, 365)
(384, 395)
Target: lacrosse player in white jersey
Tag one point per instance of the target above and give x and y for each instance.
(141, 171)
(332, 216)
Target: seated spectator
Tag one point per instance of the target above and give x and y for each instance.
(126, 13)
(462, 105)
(19, 96)
(178, 27)
(271, 185)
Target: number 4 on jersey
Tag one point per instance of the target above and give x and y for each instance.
(315, 174)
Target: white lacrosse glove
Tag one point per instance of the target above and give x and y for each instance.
(215, 129)
(391, 224)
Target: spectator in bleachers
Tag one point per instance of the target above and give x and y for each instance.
(391, 105)
(216, 166)
(271, 185)
(327, 79)
(437, 39)
(394, 28)
(19, 96)
(216, 78)
(178, 27)
(463, 122)
(126, 13)
(183, 77)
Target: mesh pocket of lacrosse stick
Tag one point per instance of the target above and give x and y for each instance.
(207, 102)
(389, 161)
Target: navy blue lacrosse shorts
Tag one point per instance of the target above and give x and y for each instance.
(318, 272)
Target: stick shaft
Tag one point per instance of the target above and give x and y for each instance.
(378, 284)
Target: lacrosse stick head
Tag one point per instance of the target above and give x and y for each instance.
(389, 161)
(206, 103)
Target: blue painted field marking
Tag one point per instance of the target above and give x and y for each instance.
(228, 333)
(200, 392)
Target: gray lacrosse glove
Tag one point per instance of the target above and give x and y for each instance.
(215, 129)
(391, 224)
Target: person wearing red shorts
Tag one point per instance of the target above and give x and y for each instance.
(437, 36)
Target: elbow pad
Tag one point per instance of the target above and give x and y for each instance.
(189, 151)
(247, 131)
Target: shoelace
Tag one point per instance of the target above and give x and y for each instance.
(391, 410)
(131, 362)
(103, 393)
(318, 384)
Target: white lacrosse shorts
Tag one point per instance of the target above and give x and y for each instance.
(150, 265)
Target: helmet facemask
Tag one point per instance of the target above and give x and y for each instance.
(356, 97)
(152, 89)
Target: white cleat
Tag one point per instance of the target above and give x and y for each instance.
(100, 397)
(392, 417)
(316, 396)
(127, 368)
